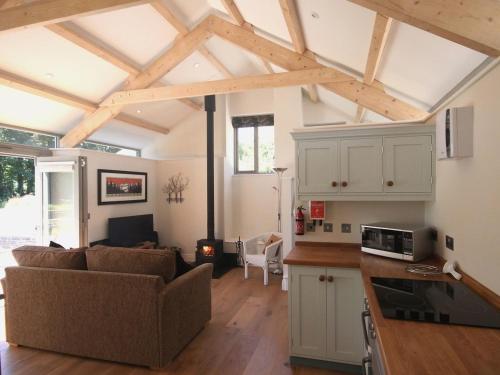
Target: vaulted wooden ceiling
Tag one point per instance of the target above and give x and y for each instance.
(77, 65)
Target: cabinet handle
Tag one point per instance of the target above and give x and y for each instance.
(344, 183)
(334, 183)
(390, 183)
(330, 279)
(321, 278)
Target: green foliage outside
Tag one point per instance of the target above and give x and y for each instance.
(17, 175)
(100, 147)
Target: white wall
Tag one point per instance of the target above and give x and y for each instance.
(467, 205)
(188, 138)
(184, 150)
(357, 213)
(182, 224)
(321, 113)
(99, 215)
(251, 206)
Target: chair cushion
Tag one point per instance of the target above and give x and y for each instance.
(49, 257)
(127, 260)
(272, 239)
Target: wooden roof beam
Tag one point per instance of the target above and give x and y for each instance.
(44, 91)
(289, 10)
(293, 78)
(472, 23)
(369, 96)
(98, 48)
(234, 12)
(177, 24)
(43, 12)
(181, 49)
(381, 29)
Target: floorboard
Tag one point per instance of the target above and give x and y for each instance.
(248, 335)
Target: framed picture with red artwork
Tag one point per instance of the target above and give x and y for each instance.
(119, 187)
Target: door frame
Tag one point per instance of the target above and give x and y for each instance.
(80, 190)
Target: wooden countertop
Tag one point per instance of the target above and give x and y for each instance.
(412, 348)
(319, 254)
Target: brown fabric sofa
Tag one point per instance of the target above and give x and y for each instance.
(124, 317)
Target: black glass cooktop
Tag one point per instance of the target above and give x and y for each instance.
(434, 301)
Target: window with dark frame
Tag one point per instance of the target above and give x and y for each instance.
(253, 144)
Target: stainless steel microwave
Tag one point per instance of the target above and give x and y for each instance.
(399, 241)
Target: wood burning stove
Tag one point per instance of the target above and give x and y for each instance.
(210, 250)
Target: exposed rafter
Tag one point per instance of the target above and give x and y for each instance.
(381, 29)
(177, 24)
(39, 89)
(44, 91)
(82, 39)
(289, 10)
(141, 123)
(181, 49)
(234, 12)
(369, 96)
(98, 48)
(226, 86)
(43, 12)
(471, 23)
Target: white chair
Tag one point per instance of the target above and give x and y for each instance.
(254, 253)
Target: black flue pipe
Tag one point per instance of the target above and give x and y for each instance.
(210, 109)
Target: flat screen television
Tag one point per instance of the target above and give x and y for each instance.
(128, 231)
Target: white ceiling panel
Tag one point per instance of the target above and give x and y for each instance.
(424, 65)
(140, 33)
(42, 56)
(165, 114)
(188, 11)
(122, 134)
(238, 61)
(264, 14)
(194, 68)
(341, 32)
(342, 105)
(19, 108)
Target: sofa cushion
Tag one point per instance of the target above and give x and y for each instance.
(126, 260)
(49, 257)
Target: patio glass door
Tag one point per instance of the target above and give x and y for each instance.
(63, 200)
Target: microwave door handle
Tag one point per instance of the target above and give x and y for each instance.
(364, 315)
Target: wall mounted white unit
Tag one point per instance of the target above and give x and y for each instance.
(454, 133)
(369, 163)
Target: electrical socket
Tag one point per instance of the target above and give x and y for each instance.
(310, 227)
(346, 228)
(450, 243)
(327, 227)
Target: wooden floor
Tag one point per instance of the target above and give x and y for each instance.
(248, 335)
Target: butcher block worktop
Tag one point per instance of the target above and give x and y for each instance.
(412, 347)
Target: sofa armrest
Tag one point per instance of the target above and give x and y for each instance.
(185, 306)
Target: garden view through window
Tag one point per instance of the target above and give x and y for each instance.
(254, 143)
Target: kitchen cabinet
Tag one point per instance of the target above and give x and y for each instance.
(361, 165)
(407, 164)
(325, 304)
(318, 166)
(392, 163)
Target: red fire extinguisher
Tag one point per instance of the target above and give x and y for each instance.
(299, 221)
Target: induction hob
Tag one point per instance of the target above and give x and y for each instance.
(434, 301)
